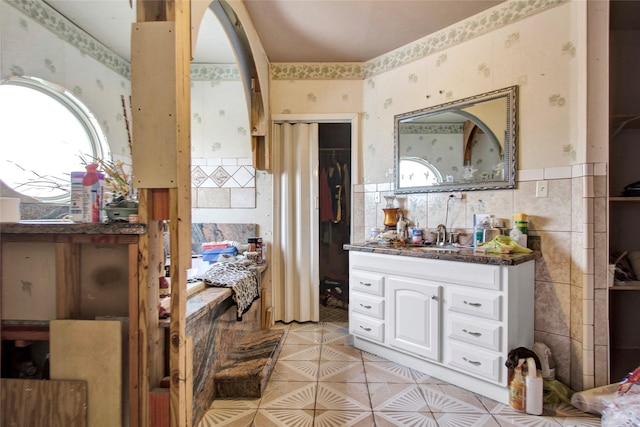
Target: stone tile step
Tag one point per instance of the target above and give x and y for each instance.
(248, 368)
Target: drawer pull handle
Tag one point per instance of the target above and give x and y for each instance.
(473, 304)
(434, 297)
(366, 329)
(365, 306)
(474, 334)
(365, 284)
(472, 362)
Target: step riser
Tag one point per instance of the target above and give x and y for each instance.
(247, 370)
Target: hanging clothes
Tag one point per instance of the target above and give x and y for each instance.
(335, 187)
(346, 184)
(326, 206)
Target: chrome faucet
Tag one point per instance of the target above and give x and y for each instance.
(441, 235)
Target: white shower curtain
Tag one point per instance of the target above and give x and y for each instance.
(295, 259)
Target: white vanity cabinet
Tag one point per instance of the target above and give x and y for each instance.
(452, 319)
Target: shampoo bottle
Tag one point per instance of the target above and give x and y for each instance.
(534, 388)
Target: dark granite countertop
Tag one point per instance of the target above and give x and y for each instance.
(68, 227)
(446, 254)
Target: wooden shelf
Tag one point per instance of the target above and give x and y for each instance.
(625, 288)
(25, 332)
(624, 199)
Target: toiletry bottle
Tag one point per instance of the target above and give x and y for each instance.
(401, 229)
(91, 194)
(518, 237)
(521, 224)
(75, 209)
(534, 388)
(517, 389)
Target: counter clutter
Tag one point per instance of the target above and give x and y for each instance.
(448, 253)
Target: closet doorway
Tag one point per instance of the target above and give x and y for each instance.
(334, 191)
(297, 240)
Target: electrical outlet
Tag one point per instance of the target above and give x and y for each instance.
(376, 197)
(542, 189)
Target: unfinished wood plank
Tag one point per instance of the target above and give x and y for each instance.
(189, 379)
(159, 407)
(67, 280)
(91, 350)
(160, 205)
(173, 94)
(144, 310)
(43, 403)
(133, 336)
(28, 287)
(25, 332)
(154, 112)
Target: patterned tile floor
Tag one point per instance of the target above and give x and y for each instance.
(321, 380)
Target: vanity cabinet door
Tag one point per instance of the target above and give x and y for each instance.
(414, 316)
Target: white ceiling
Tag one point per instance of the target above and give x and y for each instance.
(292, 30)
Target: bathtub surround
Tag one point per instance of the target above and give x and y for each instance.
(220, 367)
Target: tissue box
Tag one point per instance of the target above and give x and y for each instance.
(212, 255)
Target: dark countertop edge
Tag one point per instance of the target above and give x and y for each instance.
(72, 228)
(24, 322)
(462, 255)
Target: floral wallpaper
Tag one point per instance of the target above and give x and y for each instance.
(497, 17)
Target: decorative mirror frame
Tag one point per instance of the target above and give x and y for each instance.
(510, 143)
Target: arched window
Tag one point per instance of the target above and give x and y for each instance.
(45, 133)
(417, 172)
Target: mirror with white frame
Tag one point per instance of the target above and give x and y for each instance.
(463, 145)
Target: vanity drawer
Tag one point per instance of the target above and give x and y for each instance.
(484, 334)
(476, 361)
(370, 283)
(367, 304)
(366, 327)
(483, 305)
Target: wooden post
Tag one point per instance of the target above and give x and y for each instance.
(67, 280)
(160, 86)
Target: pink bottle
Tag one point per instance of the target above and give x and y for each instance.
(91, 195)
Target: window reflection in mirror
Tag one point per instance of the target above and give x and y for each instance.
(465, 145)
